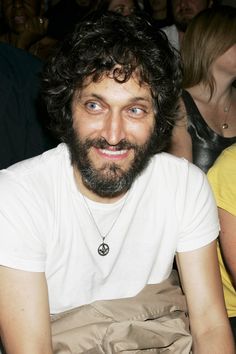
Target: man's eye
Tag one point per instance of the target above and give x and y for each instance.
(136, 111)
(93, 106)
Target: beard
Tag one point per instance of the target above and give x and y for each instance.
(182, 24)
(110, 180)
(182, 20)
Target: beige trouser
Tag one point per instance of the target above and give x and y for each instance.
(154, 321)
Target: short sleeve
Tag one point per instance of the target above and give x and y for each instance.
(20, 219)
(199, 223)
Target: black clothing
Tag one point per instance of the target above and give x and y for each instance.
(21, 132)
(206, 144)
(232, 321)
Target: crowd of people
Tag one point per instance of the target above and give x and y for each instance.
(117, 176)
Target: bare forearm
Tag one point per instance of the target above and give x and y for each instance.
(216, 341)
(27, 348)
(24, 312)
(26, 343)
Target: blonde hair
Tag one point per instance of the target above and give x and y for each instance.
(209, 35)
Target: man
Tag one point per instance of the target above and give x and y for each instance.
(102, 216)
(183, 11)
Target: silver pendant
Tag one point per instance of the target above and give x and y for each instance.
(225, 126)
(103, 249)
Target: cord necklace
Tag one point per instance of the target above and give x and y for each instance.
(225, 125)
(103, 248)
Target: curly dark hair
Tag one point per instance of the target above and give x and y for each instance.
(95, 49)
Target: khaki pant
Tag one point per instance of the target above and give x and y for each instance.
(154, 321)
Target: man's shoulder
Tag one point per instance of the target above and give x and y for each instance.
(167, 159)
(38, 166)
(166, 164)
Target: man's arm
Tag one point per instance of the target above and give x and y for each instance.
(24, 312)
(200, 277)
(228, 240)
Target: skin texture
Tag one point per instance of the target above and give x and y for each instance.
(21, 305)
(114, 111)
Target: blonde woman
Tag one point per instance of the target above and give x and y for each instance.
(209, 95)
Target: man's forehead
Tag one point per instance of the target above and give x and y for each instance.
(118, 93)
(135, 77)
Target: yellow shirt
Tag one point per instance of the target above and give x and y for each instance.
(222, 177)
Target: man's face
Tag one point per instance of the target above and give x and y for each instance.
(185, 10)
(113, 127)
(123, 7)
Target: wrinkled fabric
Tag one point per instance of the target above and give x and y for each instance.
(153, 321)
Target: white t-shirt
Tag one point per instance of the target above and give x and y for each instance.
(45, 227)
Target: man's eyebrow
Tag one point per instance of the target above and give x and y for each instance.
(132, 99)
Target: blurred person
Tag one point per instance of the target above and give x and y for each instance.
(183, 11)
(25, 22)
(222, 177)
(209, 96)
(109, 202)
(159, 10)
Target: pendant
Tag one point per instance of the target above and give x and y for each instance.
(103, 249)
(225, 126)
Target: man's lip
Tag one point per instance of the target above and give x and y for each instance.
(112, 153)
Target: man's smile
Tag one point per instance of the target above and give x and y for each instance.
(112, 153)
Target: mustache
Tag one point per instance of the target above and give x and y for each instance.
(103, 144)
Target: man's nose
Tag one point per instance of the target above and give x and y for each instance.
(114, 128)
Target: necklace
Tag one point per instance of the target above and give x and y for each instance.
(225, 125)
(103, 248)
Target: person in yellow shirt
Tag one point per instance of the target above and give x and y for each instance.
(222, 177)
